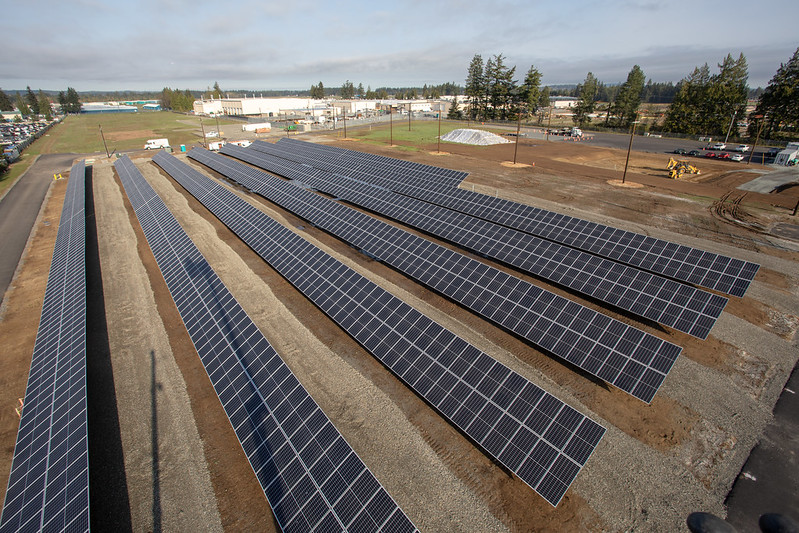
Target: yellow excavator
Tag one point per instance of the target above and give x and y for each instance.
(678, 168)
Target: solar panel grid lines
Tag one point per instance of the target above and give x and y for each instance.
(705, 269)
(638, 366)
(659, 299)
(311, 477)
(436, 175)
(535, 435)
(48, 487)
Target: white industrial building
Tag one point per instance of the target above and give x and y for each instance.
(270, 107)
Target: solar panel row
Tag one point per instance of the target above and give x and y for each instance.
(653, 297)
(632, 360)
(433, 176)
(676, 261)
(538, 437)
(48, 489)
(312, 478)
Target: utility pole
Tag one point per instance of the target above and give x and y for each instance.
(518, 129)
(549, 121)
(729, 130)
(757, 138)
(439, 129)
(104, 144)
(218, 133)
(345, 122)
(205, 143)
(410, 107)
(629, 148)
(391, 126)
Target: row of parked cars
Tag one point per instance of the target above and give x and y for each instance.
(15, 137)
(717, 151)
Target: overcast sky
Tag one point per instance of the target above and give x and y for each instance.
(291, 44)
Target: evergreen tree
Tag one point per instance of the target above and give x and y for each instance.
(32, 101)
(360, 90)
(5, 102)
(727, 95)
(684, 114)
(454, 112)
(370, 94)
(501, 87)
(628, 99)
(530, 90)
(70, 101)
(586, 102)
(217, 94)
(779, 102)
(543, 97)
(45, 106)
(475, 88)
(22, 107)
(347, 90)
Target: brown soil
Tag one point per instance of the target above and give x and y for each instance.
(577, 178)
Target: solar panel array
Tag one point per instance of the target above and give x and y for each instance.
(656, 298)
(538, 437)
(312, 478)
(48, 489)
(676, 261)
(634, 361)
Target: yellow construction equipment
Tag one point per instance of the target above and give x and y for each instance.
(678, 168)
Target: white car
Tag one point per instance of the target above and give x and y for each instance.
(719, 146)
(740, 148)
(737, 157)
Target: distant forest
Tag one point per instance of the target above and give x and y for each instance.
(654, 92)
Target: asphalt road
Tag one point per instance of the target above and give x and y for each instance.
(20, 207)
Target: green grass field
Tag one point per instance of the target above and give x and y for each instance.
(126, 131)
(80, 134)
(423, 133)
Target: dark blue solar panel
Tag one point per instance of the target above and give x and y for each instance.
(676, 261)
(48, 489)
(653, 297)
(634, 361)
(529, 431)
(302, 462)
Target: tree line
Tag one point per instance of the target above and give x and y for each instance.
(704, 102)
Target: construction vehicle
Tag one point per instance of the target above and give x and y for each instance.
(677, 168)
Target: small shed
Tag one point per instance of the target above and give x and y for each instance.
(151, 107)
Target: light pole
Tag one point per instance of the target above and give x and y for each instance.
(629, 148)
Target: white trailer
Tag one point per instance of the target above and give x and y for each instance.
(155, 144)
(258, 126)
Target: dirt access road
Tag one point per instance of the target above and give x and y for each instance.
(656, 464)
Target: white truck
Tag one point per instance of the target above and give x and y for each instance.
(155, 144)
(258, 126)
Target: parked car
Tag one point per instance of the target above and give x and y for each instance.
(719, 146)
(680, 151)
(737, 157)
(723, 155)
(710, 154)
(695, 153)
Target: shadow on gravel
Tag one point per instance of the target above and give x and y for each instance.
(108, 491)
